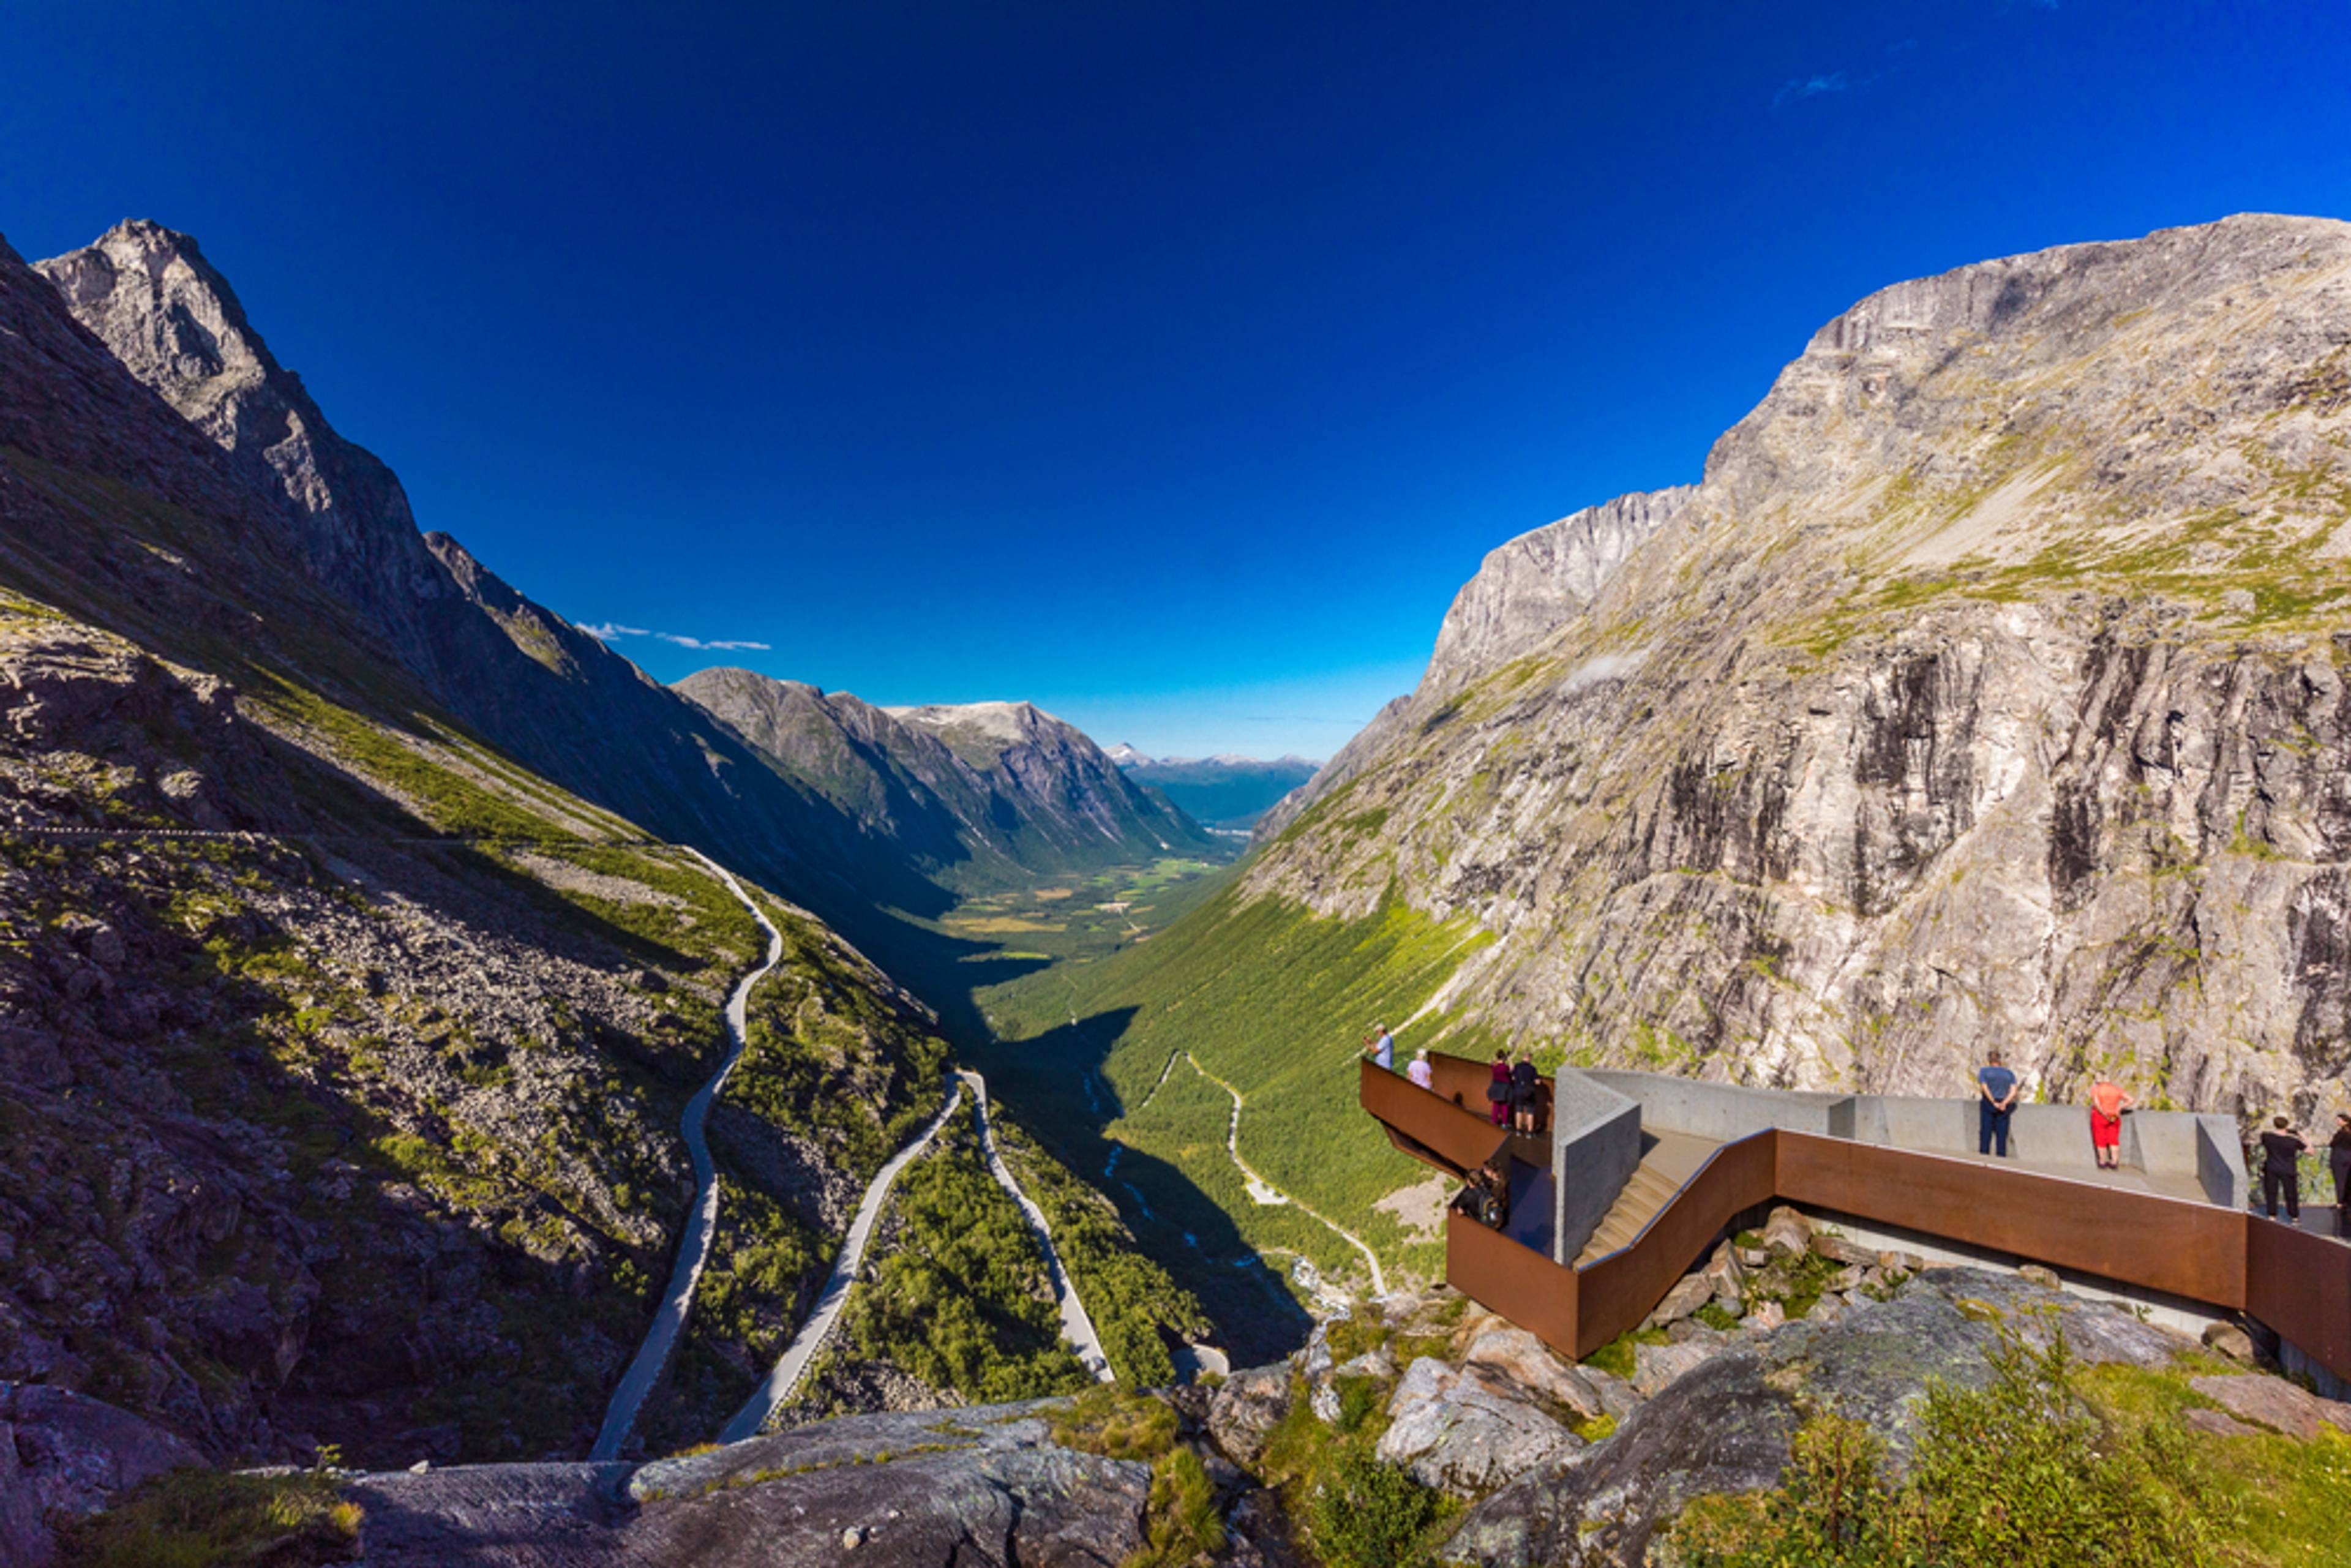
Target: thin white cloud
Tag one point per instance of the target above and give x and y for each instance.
(608, 631)
(1797, 88)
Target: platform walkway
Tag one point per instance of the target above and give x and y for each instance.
(2155, 1233)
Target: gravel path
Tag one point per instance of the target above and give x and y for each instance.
(1261, 1190)
(694, 1248)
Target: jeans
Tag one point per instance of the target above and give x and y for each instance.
(2290, 1181)
(1991, 1128)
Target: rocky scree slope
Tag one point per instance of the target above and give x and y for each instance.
(1989, 690)
(976, 796)
(340, 1055)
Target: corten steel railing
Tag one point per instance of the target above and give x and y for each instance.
(1617, 1291)
(1425, 1125)
(1521, 1283)
(2296, 1283)
(2168, 1244)
(2300, 1285)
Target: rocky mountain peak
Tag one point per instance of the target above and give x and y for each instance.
(148, 294)
(1534, 585)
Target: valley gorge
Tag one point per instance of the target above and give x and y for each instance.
(361, 954)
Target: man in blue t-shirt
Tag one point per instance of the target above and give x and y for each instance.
(1380, 1046)
(1997, 1086)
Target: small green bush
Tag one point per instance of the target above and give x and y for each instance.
(1367, 1515)
(2021, 1473)
(191, 1518)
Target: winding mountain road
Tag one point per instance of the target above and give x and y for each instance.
(694, 1248)
(790, 1366)
(1076, 1326)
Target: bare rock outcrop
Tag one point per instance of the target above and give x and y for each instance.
(1536, 583)
(1989, 688)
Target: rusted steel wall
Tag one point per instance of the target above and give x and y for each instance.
(1620, 1290)
(1518, 1282)
(2191, 1249)
(2297, 1283)
(1457, 1078)
(1453, 1135)
(2300, 1284)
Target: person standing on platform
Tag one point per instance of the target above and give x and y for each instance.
(1498, 1090)
(1420, 1072)
(2282, 1152)
(1526, 1094)
(2339, 1158)
(1380, 1048)
(1997, 1086)
(2107, 1103)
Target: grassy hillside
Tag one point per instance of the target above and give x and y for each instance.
(1100, 1053)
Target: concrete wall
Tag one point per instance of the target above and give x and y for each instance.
(1720, 1111)
(2220, 1162)
(1596, 1148)
(2164, 1142)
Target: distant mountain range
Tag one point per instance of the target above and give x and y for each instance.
(973, 796)
(1227, 793)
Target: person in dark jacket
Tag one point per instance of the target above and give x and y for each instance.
(1498, 1090)
(2338, 1157)
(2282, 1152)
(1487, 1198)
(1526, 1095)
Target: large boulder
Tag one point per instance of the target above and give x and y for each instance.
(1724, 1425)
(1248, 1409)
(1467, 1431)
(978, 1487)
(74, 1452)
(2274, 1403)
(1525, 1362)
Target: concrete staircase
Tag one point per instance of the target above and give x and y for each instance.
(1671, 1159)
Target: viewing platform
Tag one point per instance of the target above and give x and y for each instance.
(1640, 1174)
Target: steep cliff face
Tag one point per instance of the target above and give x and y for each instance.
(1987, 691)
(1070, 801)
(973, 795)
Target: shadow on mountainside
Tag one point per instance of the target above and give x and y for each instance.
(1054, 1083)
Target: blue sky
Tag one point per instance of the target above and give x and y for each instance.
(1167, 364)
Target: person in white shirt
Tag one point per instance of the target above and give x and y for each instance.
(1420, 1072)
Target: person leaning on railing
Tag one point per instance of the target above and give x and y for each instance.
(1420, 1072)
(2108, 1100)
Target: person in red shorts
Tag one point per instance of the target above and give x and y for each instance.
(2107, 1103)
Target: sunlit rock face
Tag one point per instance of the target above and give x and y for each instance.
(1986, 692)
